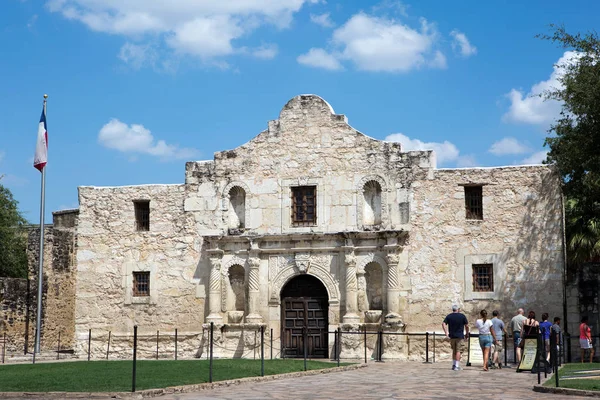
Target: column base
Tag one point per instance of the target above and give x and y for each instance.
(254, 319)
(215, 318)
(351, 318)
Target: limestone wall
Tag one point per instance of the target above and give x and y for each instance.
(110, 249)
(309, 145)
(520, 233)
(15, 317)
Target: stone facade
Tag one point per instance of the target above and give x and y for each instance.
(384, 232)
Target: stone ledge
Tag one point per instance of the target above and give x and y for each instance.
(567, 391)
(172, 389)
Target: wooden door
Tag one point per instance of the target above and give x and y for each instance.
(304, 307)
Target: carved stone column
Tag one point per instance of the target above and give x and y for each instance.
(253, 316)
(393, 283)
(351, 316)
(214, 291)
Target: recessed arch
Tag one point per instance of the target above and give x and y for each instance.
(236, 205)
(371, 207)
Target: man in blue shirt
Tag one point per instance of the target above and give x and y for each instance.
(545, 328)
(455, 325)
(500, 330)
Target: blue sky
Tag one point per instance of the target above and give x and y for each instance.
(138, 87)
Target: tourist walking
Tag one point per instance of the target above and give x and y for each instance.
(498, 345)
(557, 332)
(456, 328)
(516, 326)
(487, 336)
(545, 327)
(585, 338)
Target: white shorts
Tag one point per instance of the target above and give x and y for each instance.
(585, 344)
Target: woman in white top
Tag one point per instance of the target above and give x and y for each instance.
(486, 336)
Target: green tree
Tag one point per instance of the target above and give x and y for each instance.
(13, 237)
(574, 141)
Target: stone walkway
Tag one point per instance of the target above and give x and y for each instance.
(390, 380)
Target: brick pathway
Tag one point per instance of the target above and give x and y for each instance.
(390, 380)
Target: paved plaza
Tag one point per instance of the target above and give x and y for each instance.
(389, 380)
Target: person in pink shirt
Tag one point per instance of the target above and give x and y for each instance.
(585, 339)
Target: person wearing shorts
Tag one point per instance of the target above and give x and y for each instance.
(487, 336)
(498, 345)
(585, 339)
(516, 325)
(456, 328)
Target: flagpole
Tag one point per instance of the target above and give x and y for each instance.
(38, 326)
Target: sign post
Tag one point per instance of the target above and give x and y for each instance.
(474, 354)
(529, 354)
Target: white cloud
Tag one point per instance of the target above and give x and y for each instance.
(535, 158)
(322, 19)
(382, 44)
(467, 161)
(319, 58)
(531, 108)
(265, 52)
(206, 29)
(2, 154)
(138, 56)
(508, 146)
(461, 44)
(32, 21)
(135, 138)
(446, 152)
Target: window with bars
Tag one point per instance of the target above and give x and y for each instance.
(304, 205)
(483, 277)
(142, 215)
(141, 283)
(474, 202)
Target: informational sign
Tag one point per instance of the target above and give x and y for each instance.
(475, 356)
(529, 355)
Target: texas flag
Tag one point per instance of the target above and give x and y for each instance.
(41, 148)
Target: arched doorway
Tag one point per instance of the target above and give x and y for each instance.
(304, 303)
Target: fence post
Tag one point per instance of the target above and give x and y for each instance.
(504, 343)
(434, 346)
(568, 347)
(108, 346)
(175, 344)
(539, 356)
(35, 333)
(58, 348)
(271, 343)
(304, 336)
(210, 365)
(157, 345)
(339, 343)
(365, 341)
(426, 347)
(134, 358)
(554, 355)
(89, 343)
(262, 350)
(335, 346)
(381, 345)
(3, 347)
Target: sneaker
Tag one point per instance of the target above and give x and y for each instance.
(455, 368)
(499, 366)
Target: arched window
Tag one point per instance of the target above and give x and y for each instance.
(236, 281)
(372, 203)
(237, 208)
(374, 278)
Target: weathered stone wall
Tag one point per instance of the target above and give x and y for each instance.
(15, 316)
(521, 233)
(310, 145)
(583, 299)
(58, 302)
(109, 250)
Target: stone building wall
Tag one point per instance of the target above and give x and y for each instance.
(109, 250)
(235, 210)
(521, 234)
(58, 302)
(15, 317)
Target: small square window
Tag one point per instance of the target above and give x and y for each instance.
(142, 215)
(474, 202)
(483, 277)
(141, 283)
(304, 205)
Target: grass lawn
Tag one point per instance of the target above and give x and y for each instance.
(569, 370)
(115, 376)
